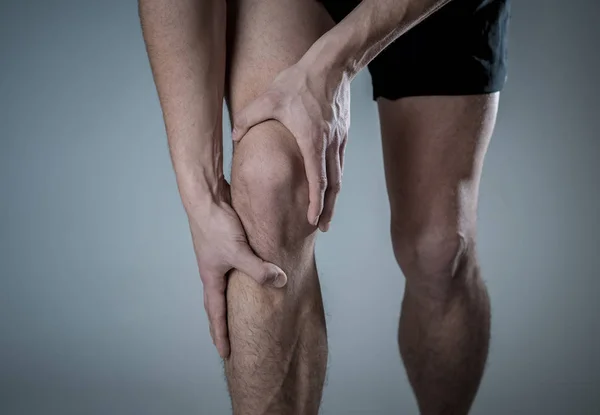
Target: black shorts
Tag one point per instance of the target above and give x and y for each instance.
(459, 50)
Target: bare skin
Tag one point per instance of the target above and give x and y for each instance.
(185, 40)
(433, 154)
(260, 232)
(433, 151)
(278, 336)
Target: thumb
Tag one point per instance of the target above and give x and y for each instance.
(261, 271)
(259, 110)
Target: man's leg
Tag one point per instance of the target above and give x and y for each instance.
(278, 336)
(433, 150)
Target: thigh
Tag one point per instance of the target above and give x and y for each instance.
(265, 37)
(460, 49)
(434, 147)
(268, 182)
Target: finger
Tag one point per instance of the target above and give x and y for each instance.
(260, 271)
(216, 308)
(210, 327)
(316, 174)
(334, 184)
(259, 110)
(343, 152)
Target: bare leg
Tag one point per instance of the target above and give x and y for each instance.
(278, 336)
(433, 150)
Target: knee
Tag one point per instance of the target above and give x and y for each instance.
(267, 167)
(434, 254)
(269, 188)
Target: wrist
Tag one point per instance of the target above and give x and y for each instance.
(351, 44)
(200, 187)
(330, 59)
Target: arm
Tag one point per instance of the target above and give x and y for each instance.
(185, 40)
(349, 46)
(312, 97)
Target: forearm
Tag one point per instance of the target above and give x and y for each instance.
(185, 40)
(365, 32)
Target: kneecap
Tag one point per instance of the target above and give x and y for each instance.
(268, 184)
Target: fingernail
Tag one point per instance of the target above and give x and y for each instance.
(280, 280)
(325, 227)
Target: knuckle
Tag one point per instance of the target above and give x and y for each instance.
(318, 147)
(325, 129)
(321, 182)
(319, 130)
(263, 277)
(336, 186)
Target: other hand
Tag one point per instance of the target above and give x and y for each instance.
(315, 106)
(221, 245)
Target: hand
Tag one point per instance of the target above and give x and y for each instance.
(315, 106)
(221, 245)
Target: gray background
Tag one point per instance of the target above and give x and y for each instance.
(100, 302)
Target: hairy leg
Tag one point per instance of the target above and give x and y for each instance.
(278, 336)
(433, 151)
